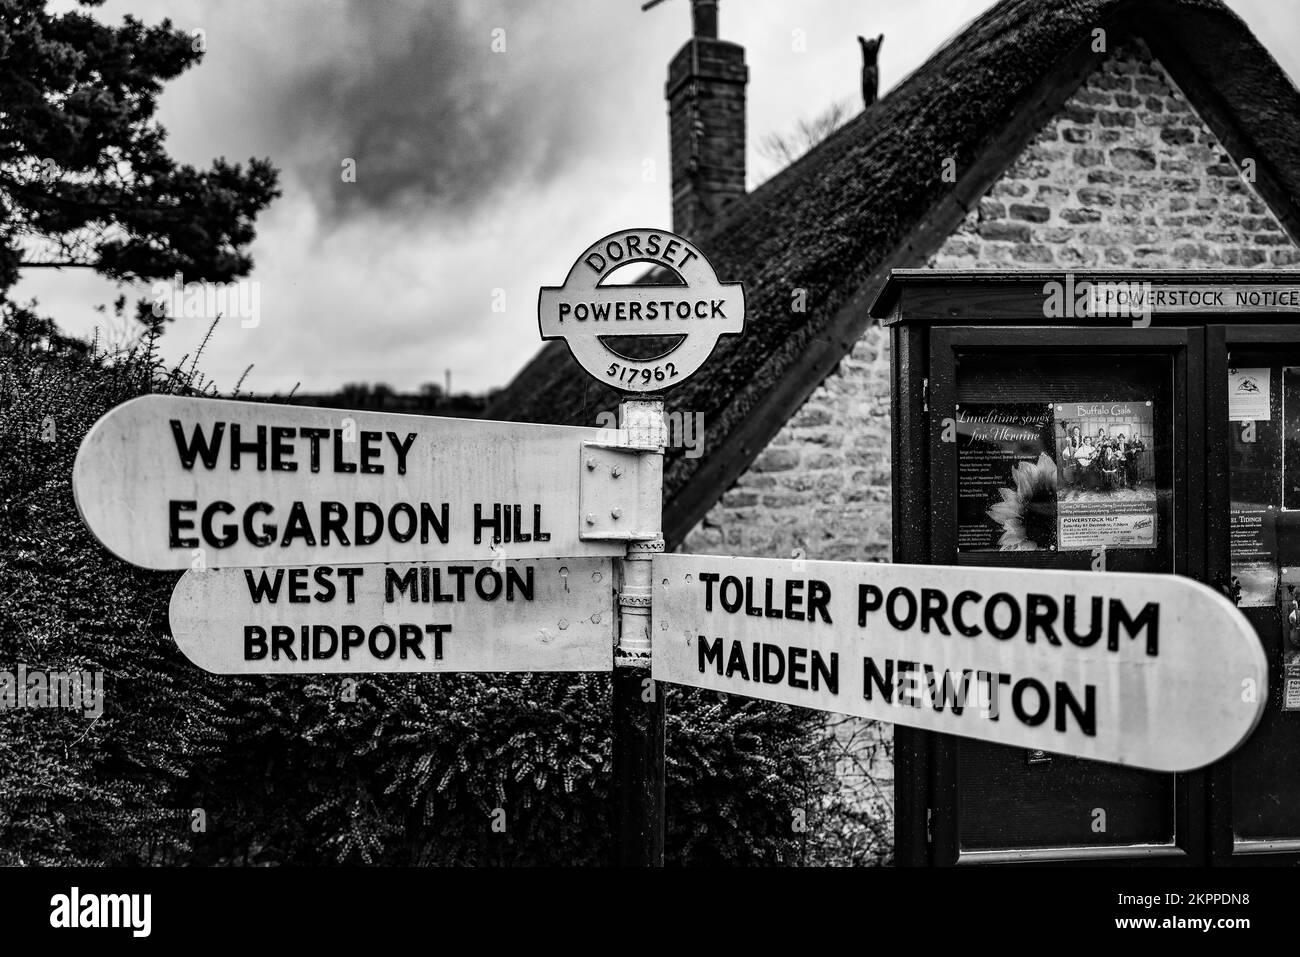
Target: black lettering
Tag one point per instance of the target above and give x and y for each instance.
(395, 584)
(314, 436)
(827, 674)
(359, 532)
(707, 579)
(964, 598)
(298, 586)
(262, 587)
(1002, 632)
(254, 643)
(1085, 716)
(401, 508)
(900, 622)
(934, 605)
(410, 637)
(282, 450)
(436, 521)
(269, 530)
(482, 524)
(1071, 620)
(1018, 702)
(389, 648)
(710, 653)
(798, 666)
(353, 637)
(491, 575)
(229, 533)
(298, 526)
(282, 643)
(884, 683)
(238, 448)
(1148, 618)
(1041, 612)
(370, 450)
(819, 598)
(521, 585)
(339, 464)
(734, 604)
(176, 524)
(773, 675)
(326, 583)
(401, 447)
(736, 661)
(333, 519)
(793, 599)
(199, 445)
(869, 600)
(437, 631)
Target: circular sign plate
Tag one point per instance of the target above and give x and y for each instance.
(586, 314)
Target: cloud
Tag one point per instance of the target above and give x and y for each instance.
(443, 106)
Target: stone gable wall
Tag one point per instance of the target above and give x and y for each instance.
(1127, 174)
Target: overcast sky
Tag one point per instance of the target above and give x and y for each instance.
(476, 171)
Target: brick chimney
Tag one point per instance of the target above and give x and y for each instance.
(706, 122)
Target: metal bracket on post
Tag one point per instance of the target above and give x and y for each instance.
(620, 480)
(642, 434)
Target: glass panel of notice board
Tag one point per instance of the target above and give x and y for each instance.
(1062, 460)
(1263, 449)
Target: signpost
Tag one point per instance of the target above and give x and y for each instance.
(170, 482)
(1156, 671)
(541, 615)
(585, 313)
(365, 542)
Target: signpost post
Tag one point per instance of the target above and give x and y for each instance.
(586, 312)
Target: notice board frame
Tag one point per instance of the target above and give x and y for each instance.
(913, 305)
(1261, 334)
(1183, 348)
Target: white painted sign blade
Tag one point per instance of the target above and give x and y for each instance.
(167, 482)
(539, 615)
(1154, 671)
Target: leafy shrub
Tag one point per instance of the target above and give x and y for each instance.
(75, 789)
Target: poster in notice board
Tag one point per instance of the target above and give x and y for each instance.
(1252, 540)
(1256, 522)
(1006, 477)
(1107, 496)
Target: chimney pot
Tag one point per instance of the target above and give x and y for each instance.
(704, 18)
